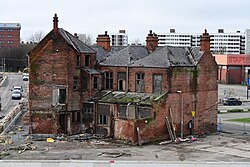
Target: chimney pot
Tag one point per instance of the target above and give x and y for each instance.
(55, 21)
(151, 41)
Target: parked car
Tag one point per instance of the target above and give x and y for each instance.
(25, 77)
(16, 94)
(231, 101)
(17, 87)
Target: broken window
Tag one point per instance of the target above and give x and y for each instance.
(95, 83)
(157, 87)
(78, 116)
(84, 83)
(62, 96)
(108, 80)
(121, 81)
(78, 60)
(75, 83)
(87, 60)
(73, 117)
(87, 112)
(140, 82)
(103, 119)
(104, 113)
(59, 96)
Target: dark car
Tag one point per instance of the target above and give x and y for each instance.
(231, 101)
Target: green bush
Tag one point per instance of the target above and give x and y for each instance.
(235, 110)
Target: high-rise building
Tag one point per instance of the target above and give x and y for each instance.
(221, 42)
(119, 39)
(9, 35)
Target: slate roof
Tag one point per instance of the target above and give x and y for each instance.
(129, 54)
(101, 54)
(171, 56)
(75, 42)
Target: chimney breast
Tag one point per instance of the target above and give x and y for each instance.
(205, 42)
(103, 40)
(151, 41)
(55, 21)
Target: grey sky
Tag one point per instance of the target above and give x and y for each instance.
(137, 17)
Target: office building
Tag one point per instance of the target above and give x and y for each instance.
(9, 35)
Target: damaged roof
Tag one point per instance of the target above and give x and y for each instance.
(75, 42)
(126, 56)
(171, 56)
(127, 97)
(92, 71)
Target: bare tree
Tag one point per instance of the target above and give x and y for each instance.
(136, 42)
(87, 39)
(37, 37)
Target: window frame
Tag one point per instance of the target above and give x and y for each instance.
(108, 80)
(140, 77)
(75, 83)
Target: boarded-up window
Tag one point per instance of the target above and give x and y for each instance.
(140, 82)
(121, 81)
(127, 111)
(157, 87)
(108, 80)
(144, 112)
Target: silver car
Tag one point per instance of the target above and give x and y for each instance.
(16, 94)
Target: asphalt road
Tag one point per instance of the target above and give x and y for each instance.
(5, 91)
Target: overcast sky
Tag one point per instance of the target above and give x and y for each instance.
(137, 17)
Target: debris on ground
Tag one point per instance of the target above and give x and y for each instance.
(50, 140)
(113, 154)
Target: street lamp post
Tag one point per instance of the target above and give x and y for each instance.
(181, 113)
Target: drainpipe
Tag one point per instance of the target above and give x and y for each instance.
(181, 112)
(129, 58)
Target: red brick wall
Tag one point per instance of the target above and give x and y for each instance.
(198, 88)
(52, 63)
(11, 38)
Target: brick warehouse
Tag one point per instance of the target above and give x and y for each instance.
(121, 92)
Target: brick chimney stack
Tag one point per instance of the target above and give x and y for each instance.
(103, 40)
(55, 21)
(151, 41)
(205, 42)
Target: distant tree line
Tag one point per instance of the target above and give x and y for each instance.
(14, 59)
